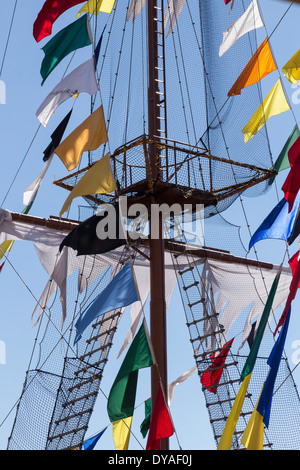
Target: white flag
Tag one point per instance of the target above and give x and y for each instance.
(82, 79)
(135, 8)
(249, 21)
(30, 193)
(173, 11)
(58, 279)
(179, 381)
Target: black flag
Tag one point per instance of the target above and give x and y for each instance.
(56, 137)
(84, 238)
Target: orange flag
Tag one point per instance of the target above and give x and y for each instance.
(260, 65)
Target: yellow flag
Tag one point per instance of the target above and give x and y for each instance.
(121, 433)
(94, 6)
(88, 136)
(275, 103)
(5, 247)
(253, 437)
(226, 438)
(292, 68)
(97, 180)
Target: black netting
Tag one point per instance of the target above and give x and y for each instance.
(208, 336)
(58, 394)
(194, 97)
(283, 430)
(63, 383)
(224, 134)
(34, 410)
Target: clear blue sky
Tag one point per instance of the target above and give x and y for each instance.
(18, 125)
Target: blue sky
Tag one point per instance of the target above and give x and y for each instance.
(18, 127)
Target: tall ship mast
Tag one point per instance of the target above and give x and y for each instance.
(178, 146)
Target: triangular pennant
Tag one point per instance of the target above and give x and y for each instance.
(56, 137)
(227, 435)
(121, 433)
(253, 435)
(275, 103)
(260, 65)
(30, 193)
(90, 443)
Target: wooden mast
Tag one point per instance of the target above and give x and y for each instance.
(157, 276)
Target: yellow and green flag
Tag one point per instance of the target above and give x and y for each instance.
(253, 437)
(226, 438)
(227, 435)
(121, 400)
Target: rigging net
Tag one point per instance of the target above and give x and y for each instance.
(209, 175)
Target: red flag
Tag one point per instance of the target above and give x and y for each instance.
(295, 266)
(161, 425)
(212, 375)
(294, 151)
(1, 266)
(292, 183)
(51, 10)
(293, 262)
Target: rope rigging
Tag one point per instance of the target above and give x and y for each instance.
(74, 357)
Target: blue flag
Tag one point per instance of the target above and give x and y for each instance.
(120, 292)
(90, 443)
(265, 401)
(280, 223)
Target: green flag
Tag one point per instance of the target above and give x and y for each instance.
(249, 364)
(145, 425)
(121, 398)
(282, 162)
(69, 39)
